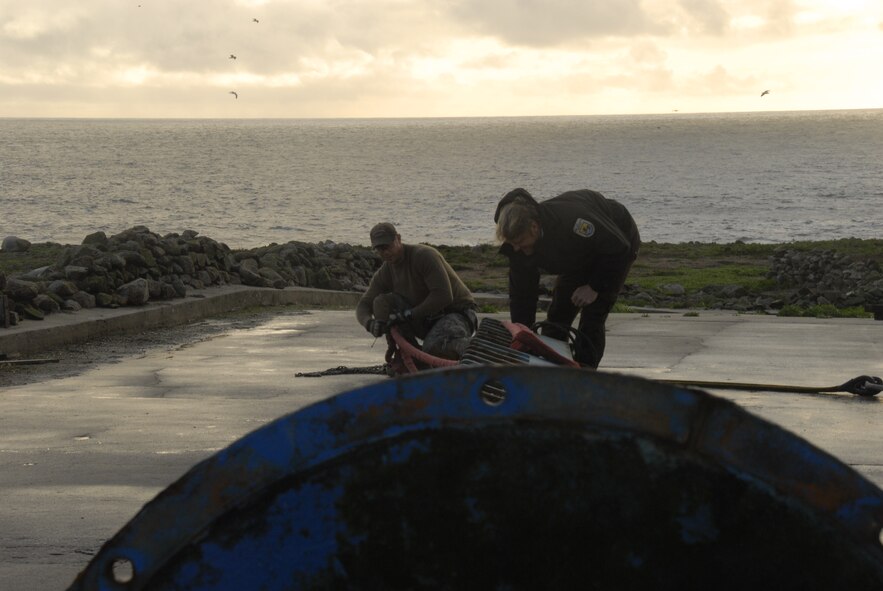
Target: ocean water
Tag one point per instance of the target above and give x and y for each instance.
(756, 177)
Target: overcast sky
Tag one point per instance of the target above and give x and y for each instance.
(435, 58)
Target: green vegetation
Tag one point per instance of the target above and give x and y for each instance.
(482, 268)
(697, 251)
(39, 255)
(871, 249)
(752, 277)
(824, 311)
(694, 265)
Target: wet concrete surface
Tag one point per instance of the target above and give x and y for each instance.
(81, 453)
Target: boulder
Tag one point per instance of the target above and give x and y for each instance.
(15, 244)
(133, 258)
(84, 299)
(167, 292)
(63, 288)
(179, 287)
(105, 300)
(252, 278)
(48, 273)
(21, 291)
(155, 289)
(273, 277)
(110, 261)
(733, 291)
(75, 273)
(672, 289)
(95, 284)
(71, 306)
(30, 312)
(96, 238)
(46, 304)
(134, 293)
(300, 275)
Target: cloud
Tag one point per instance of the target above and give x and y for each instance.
(709, 14)
(32, 22)
(389, 57)
(719, 82)
(198, 37)
(552, 22)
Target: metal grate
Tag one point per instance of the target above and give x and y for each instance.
(491, 346)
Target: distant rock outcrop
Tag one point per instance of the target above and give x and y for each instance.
(137, 266)
(826, 277)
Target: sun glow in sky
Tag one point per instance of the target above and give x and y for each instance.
(435, 58)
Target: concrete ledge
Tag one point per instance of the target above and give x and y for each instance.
(33, 336)
(57, 330)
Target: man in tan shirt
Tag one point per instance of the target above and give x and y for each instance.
(416, 288)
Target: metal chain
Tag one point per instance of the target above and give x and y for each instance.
(344, 370)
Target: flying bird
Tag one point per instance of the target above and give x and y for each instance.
(764, 92)
(234, 93)
(232, 57)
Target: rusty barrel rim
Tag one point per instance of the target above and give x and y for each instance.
(712, 427)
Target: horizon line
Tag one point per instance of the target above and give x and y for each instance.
(439, 117)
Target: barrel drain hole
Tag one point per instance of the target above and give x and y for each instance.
(492, 393)
(122, 571)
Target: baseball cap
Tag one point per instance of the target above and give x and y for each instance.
(383, 233)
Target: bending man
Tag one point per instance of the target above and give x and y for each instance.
(589, 241)
(417, 288)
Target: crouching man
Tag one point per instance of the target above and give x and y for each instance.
(418, 291)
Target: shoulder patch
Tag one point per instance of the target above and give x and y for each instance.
(583, 228)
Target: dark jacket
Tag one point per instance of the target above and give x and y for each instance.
(585, 236)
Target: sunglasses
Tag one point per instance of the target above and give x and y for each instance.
(382, 247)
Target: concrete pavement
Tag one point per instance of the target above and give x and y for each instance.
(79, 456)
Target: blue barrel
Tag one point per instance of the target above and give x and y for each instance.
(507, 478)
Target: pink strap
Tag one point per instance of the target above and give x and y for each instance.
(410, 353)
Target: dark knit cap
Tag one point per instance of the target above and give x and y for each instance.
(383, 233)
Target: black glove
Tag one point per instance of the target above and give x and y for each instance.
(400, 317)
(376, 327)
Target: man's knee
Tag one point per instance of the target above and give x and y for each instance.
(449, 337)
(446, 348)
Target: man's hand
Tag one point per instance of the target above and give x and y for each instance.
(376, 327)
(400, 317)
(583, 296)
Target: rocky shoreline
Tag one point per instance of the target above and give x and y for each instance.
(137, 266)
